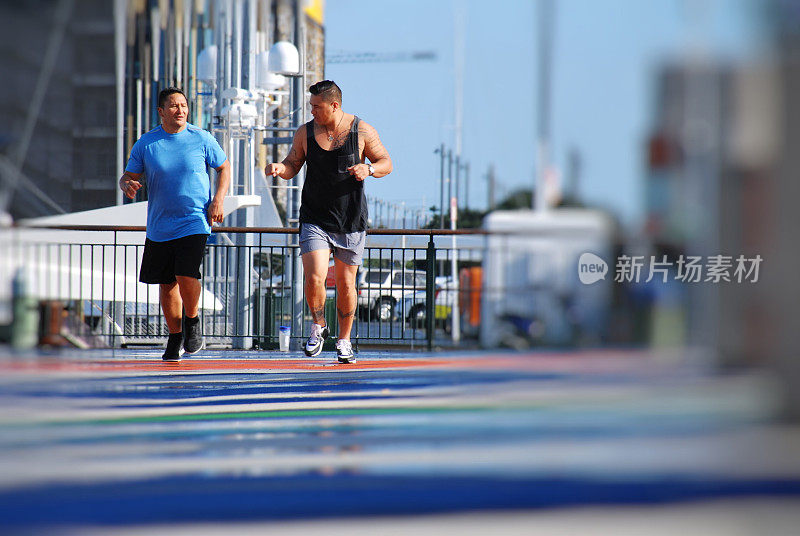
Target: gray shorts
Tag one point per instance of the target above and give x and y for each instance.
(347, 247)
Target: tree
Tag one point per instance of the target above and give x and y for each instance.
(517, 199)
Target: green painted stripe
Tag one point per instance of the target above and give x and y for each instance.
(344, 412)
(285, 413)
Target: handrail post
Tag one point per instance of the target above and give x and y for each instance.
(116, 311)
(430, 291)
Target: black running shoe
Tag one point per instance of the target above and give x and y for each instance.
(344, 351)
(174, 349)
(316, 340)
(193, 340)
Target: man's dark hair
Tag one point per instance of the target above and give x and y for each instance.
(328, 90)
(166, 92)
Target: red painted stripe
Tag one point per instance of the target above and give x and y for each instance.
(214, 364)
(585, 362)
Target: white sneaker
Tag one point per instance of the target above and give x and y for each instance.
(316, 340)
(344, 351)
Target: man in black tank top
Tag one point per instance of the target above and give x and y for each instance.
(333, 211)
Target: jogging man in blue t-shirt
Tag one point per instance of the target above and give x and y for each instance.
(173, 158)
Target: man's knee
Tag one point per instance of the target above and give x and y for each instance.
(168, 287)
(345, 285)
(315, 280)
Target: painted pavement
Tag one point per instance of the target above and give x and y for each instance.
(116, 438)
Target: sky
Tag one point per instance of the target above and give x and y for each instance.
(606, 54)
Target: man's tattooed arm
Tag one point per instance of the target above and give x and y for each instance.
(297, 155)
(374, 150)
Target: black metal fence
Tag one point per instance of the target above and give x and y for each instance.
(406, 292)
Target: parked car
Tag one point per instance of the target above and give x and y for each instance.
(280, 284)
(380, 289)
(412, 309)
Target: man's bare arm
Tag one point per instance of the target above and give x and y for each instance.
(215, 212)
(292, 164)
(129, 184)
(375, 151)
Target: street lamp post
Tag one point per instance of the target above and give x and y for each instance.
(440, 151)
(466, 186)
(449, 176)
(458, 179)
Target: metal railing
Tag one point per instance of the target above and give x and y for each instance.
(249, 284)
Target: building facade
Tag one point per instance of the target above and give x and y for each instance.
(98, 83)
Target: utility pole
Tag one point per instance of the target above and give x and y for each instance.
(458, 179)
(546, 21)
(440, 150)
(449, 176)
(490, 187)
(466, 186)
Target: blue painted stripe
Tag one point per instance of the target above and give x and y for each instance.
(198, 499)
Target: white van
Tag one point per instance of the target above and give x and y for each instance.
(380, 289)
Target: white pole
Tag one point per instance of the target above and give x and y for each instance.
(299, 101)
(456, 314)
(155, 29)
(138, 109)
(546, 21)
(178, 29)
(120, 11)
(226, 17)
(459, 75)
(236, 35)
(459, 46)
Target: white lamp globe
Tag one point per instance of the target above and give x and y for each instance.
(284, 59)
(264, 78)
(207, 64)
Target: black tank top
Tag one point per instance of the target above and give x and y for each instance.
(335, 201)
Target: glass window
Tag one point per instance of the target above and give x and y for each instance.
(376, 277)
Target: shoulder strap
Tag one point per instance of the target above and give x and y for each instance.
(354, 136)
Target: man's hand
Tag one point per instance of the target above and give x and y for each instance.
(359, 171)
(275, 169)
(215, 213)
(129, 186)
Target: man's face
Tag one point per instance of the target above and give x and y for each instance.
(323, 112)
(175, 111)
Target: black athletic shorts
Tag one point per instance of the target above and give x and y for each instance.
(162, 261)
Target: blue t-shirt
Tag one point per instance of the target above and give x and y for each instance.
(178, 187)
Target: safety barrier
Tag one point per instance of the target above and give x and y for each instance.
(252, 285)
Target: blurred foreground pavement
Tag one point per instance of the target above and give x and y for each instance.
(629, 442)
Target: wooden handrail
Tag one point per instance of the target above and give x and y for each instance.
(265, 230)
